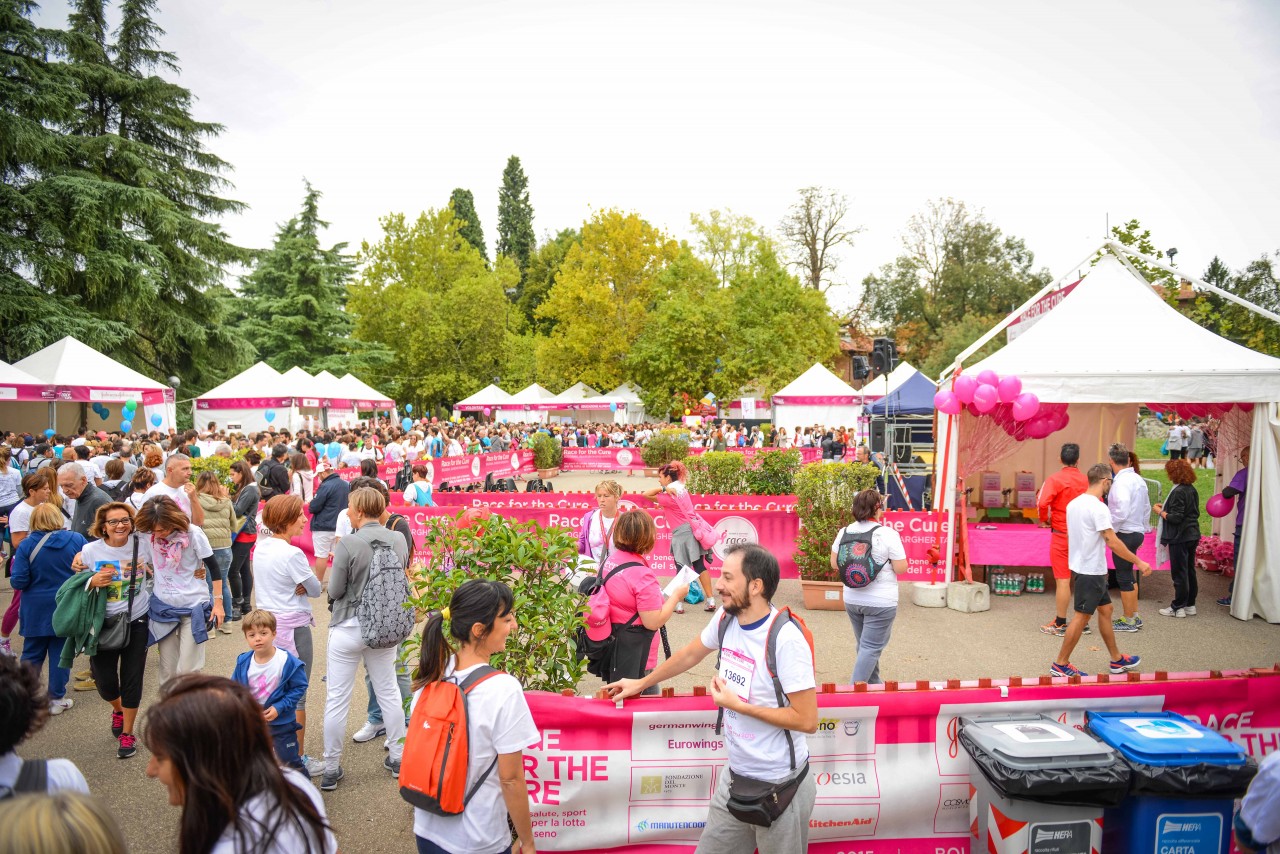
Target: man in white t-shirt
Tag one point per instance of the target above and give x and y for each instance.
(765, 738)
(1089, 534)
(178, 486)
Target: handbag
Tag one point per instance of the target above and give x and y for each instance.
(760, 803)
(117, 628)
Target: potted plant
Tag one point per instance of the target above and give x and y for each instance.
(548, 454)
(824, 502)
(664, 447)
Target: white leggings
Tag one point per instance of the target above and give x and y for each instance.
(346, 651)
(179, 652)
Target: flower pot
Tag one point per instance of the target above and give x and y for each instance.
(548, 474)
(648, 472)
(823, 595)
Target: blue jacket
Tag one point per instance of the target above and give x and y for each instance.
(330, 500)
(286, 696)
(164, 618)
(39, 581)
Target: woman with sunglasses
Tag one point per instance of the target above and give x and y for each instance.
(120, 561)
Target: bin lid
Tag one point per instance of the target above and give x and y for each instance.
(1163, 738)
(1031, 741)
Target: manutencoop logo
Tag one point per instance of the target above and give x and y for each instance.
(644, 826)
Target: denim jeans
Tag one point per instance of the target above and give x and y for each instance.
(37, 648)
(402, 681)
(223, 559)
(871, 629)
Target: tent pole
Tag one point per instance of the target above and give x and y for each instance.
(1120, 248)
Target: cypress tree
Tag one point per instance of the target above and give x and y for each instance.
(464, 210)
(515, 216)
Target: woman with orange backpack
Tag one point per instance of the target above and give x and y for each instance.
(480, 725)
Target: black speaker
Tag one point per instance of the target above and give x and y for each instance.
(877, 437)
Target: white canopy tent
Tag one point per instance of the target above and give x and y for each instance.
(363, 396)
(1153, 353)
(74, 376)
(885, 384)
(490, 397)
(531, 404)
(340, 411)
(631, 407)
(241, 403)
(816, 397)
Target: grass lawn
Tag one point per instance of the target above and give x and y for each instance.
(1204, 486)
(1148, 449)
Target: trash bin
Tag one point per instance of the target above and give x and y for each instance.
(1184, 779)
(1038, 786)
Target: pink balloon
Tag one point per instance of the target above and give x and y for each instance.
(988, 377)
(1245, 407)
(1219, 505)
(985, 398)
(1058, 420)
(487, 410)
(1038, 427)
(964, 387)
(1026, 406)
(1009, 387)
(1066, 419)
(946, 402)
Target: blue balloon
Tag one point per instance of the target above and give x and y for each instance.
(335, 450)
(48, 434)
(407, 424)
(155, 420)
(613, 407)
(270, 415)
(408, 407)
(126, 426)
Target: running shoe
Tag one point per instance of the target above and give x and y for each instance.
(83, 675)
(1125, 664)
(1190, 610)
(368, 732)
(57, 707)
(1120, 624)
(1173, 612)
(117, 723)
(86, 685)
(1067, 669)
(329, 781)
(1052, 628)
(128, 745)
(1224, 601)
(314, 766)
(392, 765)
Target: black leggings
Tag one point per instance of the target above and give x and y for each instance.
(241, 572)
(119, 672)
(1182, 571)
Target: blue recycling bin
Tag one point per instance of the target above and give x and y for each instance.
(1185, 779)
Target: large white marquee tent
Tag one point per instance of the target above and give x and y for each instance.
(260, 397)
(816, 397)
(1113, 344)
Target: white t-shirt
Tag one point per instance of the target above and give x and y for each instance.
(499, 721)
(265, 678)
(174, 492)
(598, 533)
(91, 472)
(100, 464)
(10, 485)
(62, 773)
(278, 569)
(393, 452)
(178, 585)
(136, 500)
(758, 749)
(97, 553)
(20, 518)
(1087, 518)
(342, 527)
(417, 489)
(886, 546)
(259, 810)
(351, 459)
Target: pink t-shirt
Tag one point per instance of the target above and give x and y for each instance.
(632, 590)
(679, 507)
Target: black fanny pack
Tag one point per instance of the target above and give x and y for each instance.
(758, 802)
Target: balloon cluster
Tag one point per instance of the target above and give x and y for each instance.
(1198, 410)
(1019, 413)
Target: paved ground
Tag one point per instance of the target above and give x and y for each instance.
(930, 644)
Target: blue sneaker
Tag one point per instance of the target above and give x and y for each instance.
(1120, 624)
(1067, 669)
(1125, 664)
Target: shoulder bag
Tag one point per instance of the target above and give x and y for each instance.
(116, 628)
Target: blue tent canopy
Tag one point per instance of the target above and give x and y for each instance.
(913, 397)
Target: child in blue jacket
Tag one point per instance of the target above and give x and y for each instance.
(278, 679)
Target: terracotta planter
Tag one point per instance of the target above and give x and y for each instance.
(548, 474)
(823, 595)
(650, 472)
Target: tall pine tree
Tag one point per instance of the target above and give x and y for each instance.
(464, 210)
(131, 218)
(515, 216)
(293, 300)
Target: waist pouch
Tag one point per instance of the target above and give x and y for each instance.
(758, 802)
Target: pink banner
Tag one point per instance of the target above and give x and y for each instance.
(97, 394)
(458, 471)
(815, 399)
(919, 531)
(602, 459)
(243, 402)
(1028, 545)
(892, 776)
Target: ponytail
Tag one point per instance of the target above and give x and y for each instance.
(476, 601)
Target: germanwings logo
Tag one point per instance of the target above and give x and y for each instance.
(1048, 835)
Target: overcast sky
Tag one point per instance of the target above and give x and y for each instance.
(1048, 116)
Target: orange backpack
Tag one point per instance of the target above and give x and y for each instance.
(433, 769)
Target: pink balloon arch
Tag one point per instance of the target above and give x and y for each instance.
(988, 395)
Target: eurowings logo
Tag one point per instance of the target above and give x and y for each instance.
(1181, 827)
(1048, 835)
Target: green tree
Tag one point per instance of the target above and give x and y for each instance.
(427, 296)
(464, 209)
(726, 241)
(293, 300)
(601, 300)
(1257, 283)
(1137, 238)
(129, 215)
(544, 265)
(515, 216)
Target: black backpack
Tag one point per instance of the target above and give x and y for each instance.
(121, 490)
(853, 558)
(599, 653)
(33, 778)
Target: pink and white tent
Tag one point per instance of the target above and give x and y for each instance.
(816, 397)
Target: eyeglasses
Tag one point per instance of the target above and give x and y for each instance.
(124, 521)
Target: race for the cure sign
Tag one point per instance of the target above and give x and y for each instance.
(891, 774)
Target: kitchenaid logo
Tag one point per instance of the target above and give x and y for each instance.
(852, 822)
(734, 530)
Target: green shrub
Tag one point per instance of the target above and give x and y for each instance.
(219, 465)
(548, 453)
(774, 472)
(718, 473)
(665, 446)
(532, 561)
(824, 501)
